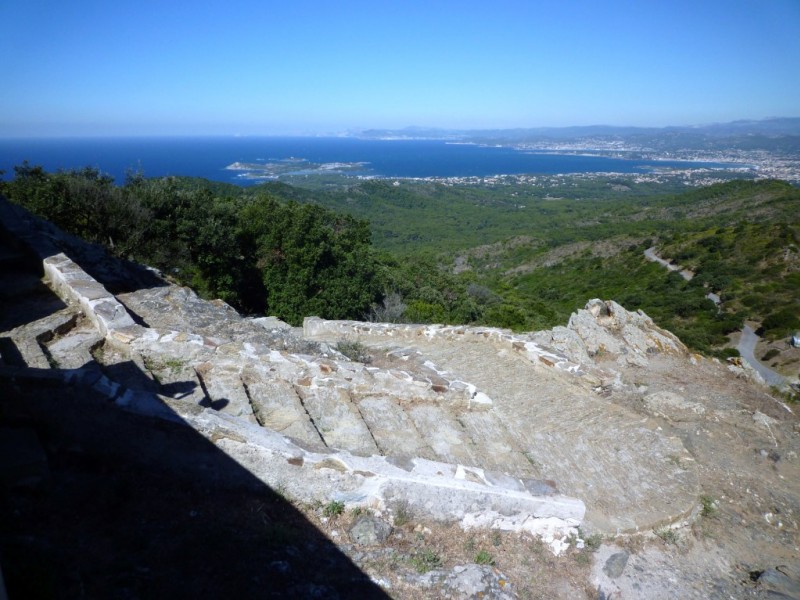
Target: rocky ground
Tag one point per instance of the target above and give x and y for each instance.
(688, 470)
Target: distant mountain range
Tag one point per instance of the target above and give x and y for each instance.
(779, 133)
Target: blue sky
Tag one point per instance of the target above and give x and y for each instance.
(94, 67)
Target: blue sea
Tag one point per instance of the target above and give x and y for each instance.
(209, 157)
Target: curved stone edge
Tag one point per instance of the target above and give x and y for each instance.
(439, 491)
(315, 327)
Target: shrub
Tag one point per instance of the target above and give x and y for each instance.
(390, 309)
(402, 514)
(594, 541)
(426, 560)
(355, 351)
(726, 353)
(667, 534)
(334, 508)
(781, 322)
(709, 506)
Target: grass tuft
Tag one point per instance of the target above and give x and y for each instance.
(334, 508)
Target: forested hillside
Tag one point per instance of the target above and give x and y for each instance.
(522, 256)
(253, 251)
(531, 255)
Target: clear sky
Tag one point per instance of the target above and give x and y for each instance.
(120, 67)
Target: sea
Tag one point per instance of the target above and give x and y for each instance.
(262, 158)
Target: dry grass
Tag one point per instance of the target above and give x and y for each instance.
(416, 547)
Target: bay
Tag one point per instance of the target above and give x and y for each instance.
(209, 157)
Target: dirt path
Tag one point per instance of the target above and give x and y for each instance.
(748, 340)
(650, 254)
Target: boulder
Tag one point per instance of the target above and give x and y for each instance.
(369, 531)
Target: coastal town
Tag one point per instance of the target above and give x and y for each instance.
(733, 163)
(694, 168)
(756, 163)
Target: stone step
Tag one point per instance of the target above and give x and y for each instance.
(501, 452)
(22, 352)
(224, 390)
(24, 298)
(129, 371)
(23, 346)
(440, 491)
(10, 354)
(74, 349)
(337, 419)
(574, 437)
(178, 379)
(444, 434)
(278, 407)
(392, 429)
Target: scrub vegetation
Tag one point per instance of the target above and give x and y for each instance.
(522, 255)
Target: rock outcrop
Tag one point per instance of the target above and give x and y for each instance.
(606, 331)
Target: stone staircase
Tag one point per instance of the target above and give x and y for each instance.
(459, 422)
(398, 430)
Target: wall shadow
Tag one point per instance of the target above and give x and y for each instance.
(98, 502)
(138, 507)
(21, 274)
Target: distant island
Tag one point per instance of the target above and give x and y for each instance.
(291, 166)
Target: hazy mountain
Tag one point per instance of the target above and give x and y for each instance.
(779, 133)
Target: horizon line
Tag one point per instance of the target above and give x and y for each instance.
(355, 132)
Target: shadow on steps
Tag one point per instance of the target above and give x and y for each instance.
(137, 507)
